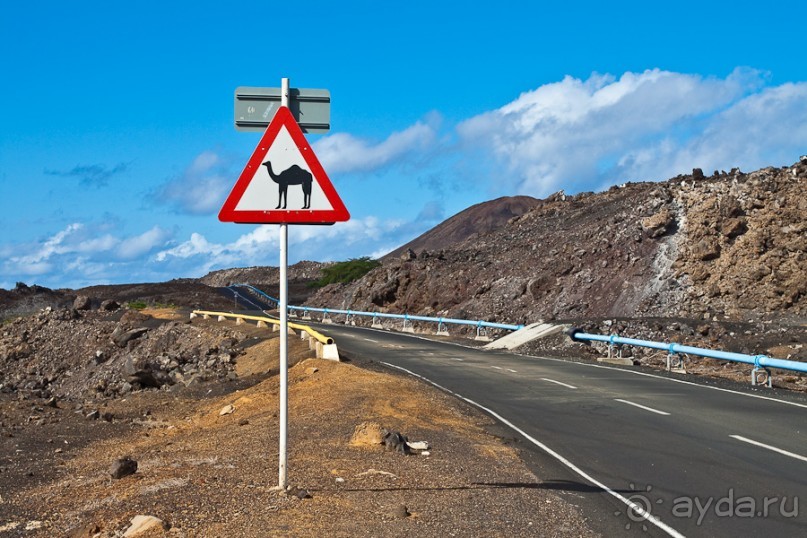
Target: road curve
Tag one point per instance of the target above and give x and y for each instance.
(700, 460)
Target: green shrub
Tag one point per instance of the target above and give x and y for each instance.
(136, 305)
(344, 272)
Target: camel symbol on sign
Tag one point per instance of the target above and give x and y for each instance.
(293, 175)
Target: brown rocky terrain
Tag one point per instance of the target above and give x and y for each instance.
(728, 246)
(198, 452)
(477, 219)
(721, 258)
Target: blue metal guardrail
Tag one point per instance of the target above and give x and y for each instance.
(441, 322)
(759, 375)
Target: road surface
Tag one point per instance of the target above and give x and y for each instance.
(706, 461)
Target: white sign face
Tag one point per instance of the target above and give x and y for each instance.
(283, 181)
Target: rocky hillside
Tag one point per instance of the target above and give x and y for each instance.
(300, 277)
(301, 271)
(478, 219)
(726, 246)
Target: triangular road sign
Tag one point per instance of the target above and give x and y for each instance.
(283, 182)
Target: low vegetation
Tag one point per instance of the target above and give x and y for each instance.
(141, 305)
(347, 271)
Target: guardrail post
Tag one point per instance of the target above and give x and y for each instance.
(441, 328)
(482, 333)
(306, 314)
(407, 325)
(349, 319)
(326, 318)
(761, 375)
(376, 324)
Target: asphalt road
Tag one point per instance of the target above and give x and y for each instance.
(640, 453)
(705, 461)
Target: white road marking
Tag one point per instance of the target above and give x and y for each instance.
(663, 378)
(559, 383)
(769, 447)
(636, 507)
(496, 367)
(511, 370)
(642, 407)
(460, 360)
(371, 340)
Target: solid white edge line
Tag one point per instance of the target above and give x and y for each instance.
(559, 383)
(769, 447)
(637, 508)
(640, 406)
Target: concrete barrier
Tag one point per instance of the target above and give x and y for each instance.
(327, 348)
(529, 333)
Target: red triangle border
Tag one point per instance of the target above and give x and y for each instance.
(228, 213)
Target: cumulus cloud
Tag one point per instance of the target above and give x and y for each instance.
(356, 237)
(79, 253)
(95, 175)
(201, 188)
(582, 134)
(137, 246)
(343, 152)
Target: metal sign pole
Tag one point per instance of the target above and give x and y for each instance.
(284, 329)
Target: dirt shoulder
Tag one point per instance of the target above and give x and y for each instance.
(208, 474)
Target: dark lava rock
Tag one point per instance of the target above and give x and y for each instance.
(123, 467)
(110, 306)
(121, 337)
(397, 442)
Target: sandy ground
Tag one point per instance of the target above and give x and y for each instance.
(209, 475)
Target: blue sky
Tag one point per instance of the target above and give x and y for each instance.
(118, 148)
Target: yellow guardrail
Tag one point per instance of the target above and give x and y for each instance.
(327, 340)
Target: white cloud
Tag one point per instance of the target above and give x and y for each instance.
(343, 152)
(356, 237)
(134, 247)
(79, 254)
(202, 187)
(580, 135)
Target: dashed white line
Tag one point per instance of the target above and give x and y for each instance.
(638, 508)
(371, 340)
(460, 360)
(512, 371)
(769, 447)
(559, 383)
(496, 367)
(634, 404)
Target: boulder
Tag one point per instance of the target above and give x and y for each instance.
(658, 224)
(142, 524)
(110, 306)
(123, 467)
(82, 302)
(395, 441)
(367, 434)
(121, 337)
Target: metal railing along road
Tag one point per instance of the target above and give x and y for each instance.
(480, 325)
(759, 375)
